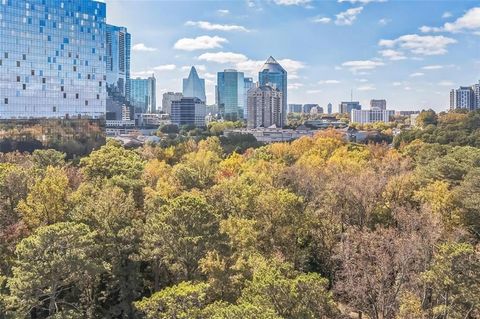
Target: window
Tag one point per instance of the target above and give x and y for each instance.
(69, 54)
(74, 69)
(88, 76)
(86, 103)
(18, 64)
(24, 57)
(98, 96)
(1, 62)
(18, 78)
(6, 55)
(33, 72)
(44, 80)
(54, 109)
(76, 96)
(62, 88)
(5, 101)
(64, 95)
(100, 83)
(24, 86)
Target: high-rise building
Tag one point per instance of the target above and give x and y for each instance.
(476, 95)
(379, 104)
(248, 85)
(274, 75)
(193, 86)
(371, 116)
(265, 107)
(307, 108)
(118, 43)
(143, 94)
(188, 111)
(462, 98)
(347, 107)
(167, 100)
(329, 108)
(295, 108)
(52, 59)
(231, 94)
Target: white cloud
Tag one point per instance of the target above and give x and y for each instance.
(165, 67)
(420, 45)
(223, 12)
(223, 57)
(447, 15)
(361, 65)
(361, 1)
(141, 74)
(209, 75)
(294, 86)
(470, 21)
(366, 88)
(397, 83)
(348, 17)
(141, 47)
(200, 43)
(384, 21)
(433, 67)
(328, 82)
(214, 26)
(416, 74)
(292, 2)
(322, 20)
(407, 88)
(392, 55)
(199, 67)
(446, 83)
(361, 80)
(313, 91)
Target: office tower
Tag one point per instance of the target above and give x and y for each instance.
(143, 94)
(379, 104)
(193, 86)
(265, 107)
(329, 108)
(462, 98)
(476, 94)
(118, 43)
(167, 100)
(274, 75)
(347, 107)
(188, 111)
(52, 59)
(295, 108)
(231, 94)
(248, 85)
(307, 108)
(371, 116)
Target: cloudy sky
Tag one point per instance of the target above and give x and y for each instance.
(408, 52)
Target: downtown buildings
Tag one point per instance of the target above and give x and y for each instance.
(274, 75)
(52, 59)
(465, 97)
(193, 86)
(231, 94)
(371, 116)
(189, 111)
(143, 95)
(265, 107)
(167, 100)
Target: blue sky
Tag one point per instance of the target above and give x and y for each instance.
(408, 52)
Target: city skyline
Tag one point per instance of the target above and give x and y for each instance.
(378, 49)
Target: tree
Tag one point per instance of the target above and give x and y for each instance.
(45, 158)
(52, 268)
(426, 118)
(224, 310)
(183, 301)
(47, 201)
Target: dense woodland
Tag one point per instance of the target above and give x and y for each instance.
(315, 228)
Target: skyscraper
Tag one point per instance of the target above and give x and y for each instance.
(379, 104)
(295, 108)
(265, 105)
(167, 100)
(143, 94)
(231, 94)
(118, 43)
(52, 59)
(274, 75)
(462, 98)
(248, 85)
(329, 108)
(193, 86)
(347, 107)
(476, 94)
(188, 111)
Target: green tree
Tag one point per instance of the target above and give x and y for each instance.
(52, 269)
(45, 158)
(223, 310)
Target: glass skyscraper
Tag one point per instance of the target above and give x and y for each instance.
(231, 94)
(273, 74)
(193, 86)
(118, 61)
(52, 59)
(143, 95)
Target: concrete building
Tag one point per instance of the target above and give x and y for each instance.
(371, 116)
(188, 111)
(248, 85)
(143, 95)
(347, 107)
(265, 107)
(52, 59)
(295, 108)
(274, 75)
(167, 100)
(329, 108)
(307, 108)
(231, 94)
(273, 135)
(379, 104)
(193, 86)
(462, 98)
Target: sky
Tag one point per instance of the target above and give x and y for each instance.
(410, 53)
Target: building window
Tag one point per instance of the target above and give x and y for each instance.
(24, 86)
(64, 95)
(18, 64)
(62, 88)
(44, 80)
(74, 69)
(24, 57)
(1, 62)
(18, 78)
(98, 96)
(54, 109)
(100, 83)
(5, 101)
(6, 55)
(76, 96)
(86, 103)
(33, 72)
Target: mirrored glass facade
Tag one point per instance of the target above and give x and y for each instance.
(231, 94)
(143, 95)
(52, 59)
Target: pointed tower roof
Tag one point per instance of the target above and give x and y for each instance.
(193, 73)
(272, 66)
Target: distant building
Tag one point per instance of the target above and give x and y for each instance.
(347, 107)
(307, 108)
(407, 113)
(273, 135)
(167, 100)
(371, 116)
(380, 104)
(265, 107)
(143, 95)
(295, 108)
(476, 95)
(465, 97)
(193, 86)
(316, 110)
(329, 108)
(248, 85)
(231, 94)
(188, 111)
(274, 75)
